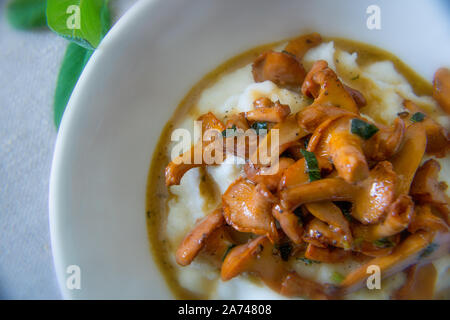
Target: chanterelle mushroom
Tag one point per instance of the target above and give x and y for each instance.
(334, 139)
(386, 142)
(247, 208)
(375, 194)
(327, 255)
(196, 239)
(438, 138)
(404, 255)
(332, 189)
(424, 219)
(277, 112)
(322, 235)
(371, 197)
(176, 169)
(261, 257)
(328, 212)
(314, 115)
(426, 188)
(281, 68)
(406, 161)
(257, 256)
(332, 90)
(299, 46)
(290, 223)
(260, 174)
(398, 217)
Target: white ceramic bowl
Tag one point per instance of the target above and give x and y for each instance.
(130, 88)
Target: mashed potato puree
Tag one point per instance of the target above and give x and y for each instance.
(173, 214)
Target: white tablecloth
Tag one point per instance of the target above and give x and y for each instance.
(29, 65)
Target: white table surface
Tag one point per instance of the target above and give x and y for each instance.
(29, 65)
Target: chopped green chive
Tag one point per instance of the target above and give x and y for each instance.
(363, 129)
(417, 117)
(259, 126)
(337, 278)
(228, 251)
(429, 250)
(384, 243)
(312, 166)
(307, 261)
(356, 77)
(233, 128)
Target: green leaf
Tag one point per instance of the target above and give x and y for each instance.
(384, 243)
(231, 132)
(307, 261)
(26, 14)
(83, 21)
(418, 117)
(73, 64)
(76, 56)
(228, 251)
(312, 166)
(363, 129)
(257, 126)
(429, 250)
(337, 278)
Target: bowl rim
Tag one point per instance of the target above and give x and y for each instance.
(64, 136)
(112, 38)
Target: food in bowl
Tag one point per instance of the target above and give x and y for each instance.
(332, 182)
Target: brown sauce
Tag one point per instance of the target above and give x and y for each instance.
(157, 195)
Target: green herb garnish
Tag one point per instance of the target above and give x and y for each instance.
(228, 251)
(337, 278)
(356, 77)
(417, 117)
(307, 261)
(363, 129)
(312, 166)
(257, 126)
(384, 243)
(429, 250)
(94, 21)
(233, 128)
